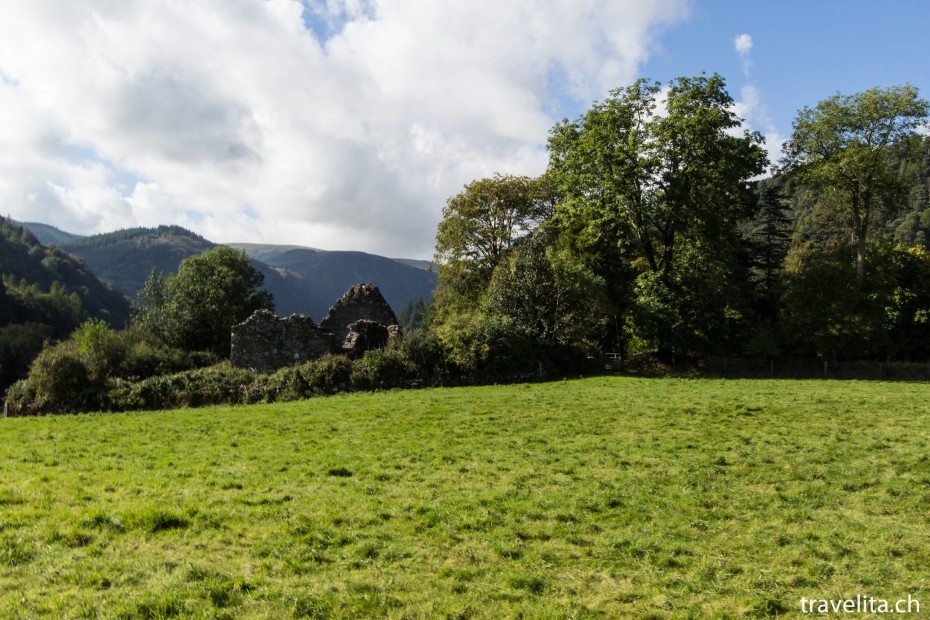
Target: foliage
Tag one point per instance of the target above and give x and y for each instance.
(665, 188)
(824, 312)
(479, 225)
(483, 347)
(907, 306)
(415, 313)
(59, 382)
(19, 345)
(218, 384)
(550, 295)
(195, 308)
(101, 350)
(841, 148)
(380, 369)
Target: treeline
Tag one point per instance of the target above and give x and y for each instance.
(44, 295)
(652, 232)
(174, 351)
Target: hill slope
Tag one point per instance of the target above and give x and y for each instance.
(126, 257)
(302, 280)
(326, 275)
(49, 234)
(44, 294)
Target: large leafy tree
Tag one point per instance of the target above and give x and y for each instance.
(478, 229)
(195, 308)
(841, 150)
(659, 189)
(549, 294)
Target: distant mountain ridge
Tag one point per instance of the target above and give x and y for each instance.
(327, 274)
(303, 280)
(48, 235)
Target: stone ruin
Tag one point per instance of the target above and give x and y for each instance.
(360, 320)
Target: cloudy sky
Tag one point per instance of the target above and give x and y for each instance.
(346, 124)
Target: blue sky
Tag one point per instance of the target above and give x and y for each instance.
(347, 124)
(803, 51)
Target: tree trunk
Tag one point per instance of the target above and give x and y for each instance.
(860, 256)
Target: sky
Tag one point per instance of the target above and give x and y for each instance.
(347, 124)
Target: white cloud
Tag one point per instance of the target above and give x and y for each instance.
(743, 46)
(751, 107)
(233, 118)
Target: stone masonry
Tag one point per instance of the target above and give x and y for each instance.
(362, 302)
(265, 343)
(360, 320)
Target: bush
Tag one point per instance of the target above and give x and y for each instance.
(214, 385)
(329, 374)
(20, 400)
(101, 349)
(490, 348)
(424, 350)
(284, 385)
(59, 382)
(380, 369)
(144, 359)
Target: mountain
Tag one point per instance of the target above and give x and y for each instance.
(45, 293)
(325, 275)
(126, 257)
(48, 235)
(302, 280)
(32, 270)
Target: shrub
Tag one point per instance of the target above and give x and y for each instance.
(490, 348)
(144, 359)
(20, 400)
(214, 385)
(99, 347)
(329, 374)
(284, 385)
(382, 369)
(424, 350)
(59, 382)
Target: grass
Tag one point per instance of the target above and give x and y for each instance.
(607, 497)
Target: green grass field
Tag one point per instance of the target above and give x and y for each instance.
(608, 497)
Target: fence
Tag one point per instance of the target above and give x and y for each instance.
(775, 368)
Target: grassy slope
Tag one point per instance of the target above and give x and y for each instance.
(607, 497)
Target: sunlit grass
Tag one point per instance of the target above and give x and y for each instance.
(607, 497)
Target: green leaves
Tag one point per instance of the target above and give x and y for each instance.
(841, 148)
(195, 308)
(655, 177)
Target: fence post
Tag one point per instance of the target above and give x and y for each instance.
(825, 372)
(772, 362)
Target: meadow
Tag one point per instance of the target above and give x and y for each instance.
(607, 497)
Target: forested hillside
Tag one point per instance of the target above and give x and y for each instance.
(302, 280)
(323, 276)
(45, 293)
(127, 257)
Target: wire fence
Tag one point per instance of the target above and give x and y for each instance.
(772, 368)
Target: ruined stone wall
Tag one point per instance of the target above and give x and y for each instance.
(362, 302)
(360, 320)
(266, 343)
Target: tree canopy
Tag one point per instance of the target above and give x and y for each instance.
(195, 308)
(841, 148)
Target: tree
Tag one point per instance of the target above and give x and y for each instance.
(841, 148)
(195, 308)
(549, 294)
(659, 190)
(479, 225)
